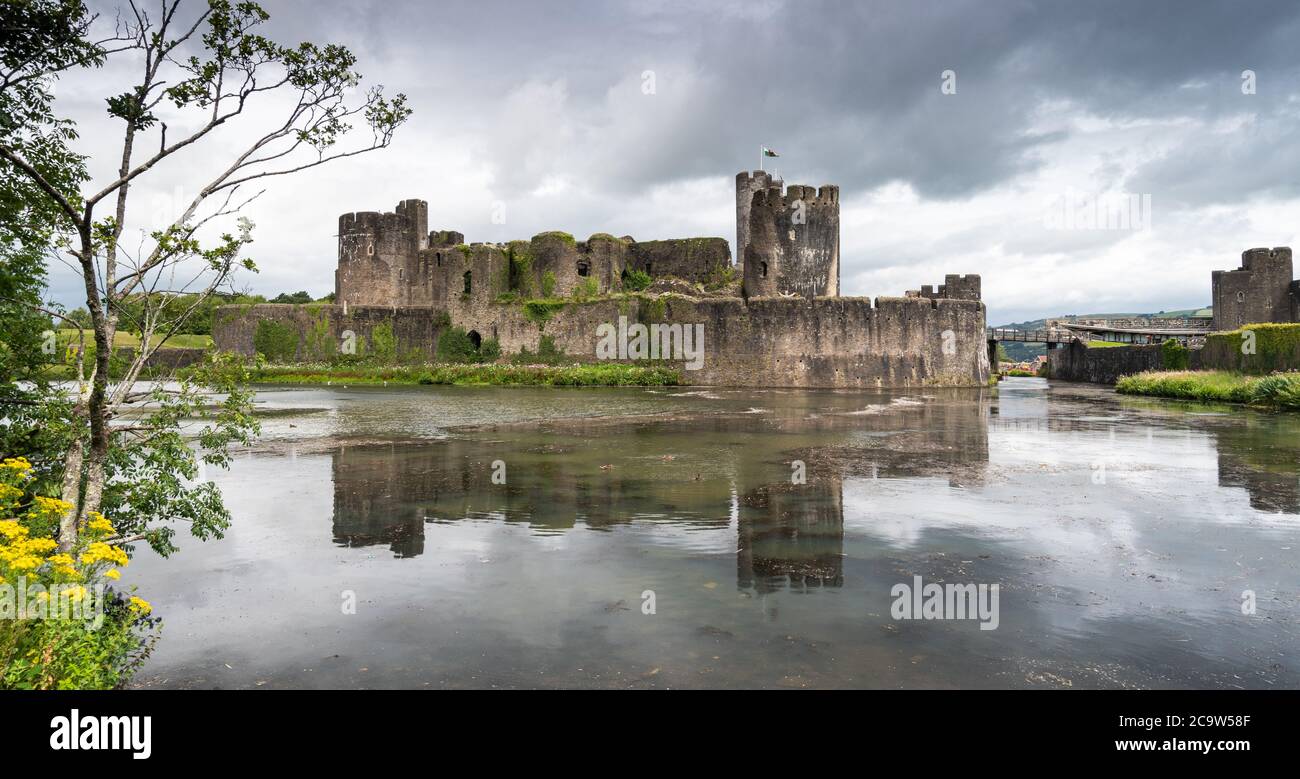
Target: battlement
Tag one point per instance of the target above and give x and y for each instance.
(1261, 259)
(1261, 290)
(790, 240)
(954, 287)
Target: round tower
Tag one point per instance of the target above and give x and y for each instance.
(747, 183)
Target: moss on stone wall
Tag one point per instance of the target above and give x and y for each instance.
(1174, 356)
(275, 341)
(560, 234)
(1256, 349)
(539, 312)
(383, 343)
(320, 343)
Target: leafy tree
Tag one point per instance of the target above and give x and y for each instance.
(294, 297)
(208, 63)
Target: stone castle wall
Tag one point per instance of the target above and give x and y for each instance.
(826, 342)
(1076, 362)
(788, 327)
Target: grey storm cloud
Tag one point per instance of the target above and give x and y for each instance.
(848, 90)
(537, 98)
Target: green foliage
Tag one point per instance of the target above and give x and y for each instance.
(154, 474)
(296, 298)
(1280, 390)
(383, 343)
(571, 375)
(721, 276)
(556, 234)
(605, 237)
(320, 342)
(275, 341)
(652, 309)
(548, 284)
(586, 289)
(456, 346)
(636, 280)
(1174, 356)
(67, 654)
(539, 312)
(547, 354)
(519, 260)
(442, 320)
(1276, 348)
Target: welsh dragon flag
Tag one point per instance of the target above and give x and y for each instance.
(769, 153)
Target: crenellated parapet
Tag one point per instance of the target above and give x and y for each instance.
(954, 287)
(793, 245)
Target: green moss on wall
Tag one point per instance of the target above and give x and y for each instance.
(275, 341)
(1257, 349)
(1174, 356)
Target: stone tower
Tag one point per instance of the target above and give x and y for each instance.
(792, 244)
(1259, 291)
(377, 253)
(747, 184)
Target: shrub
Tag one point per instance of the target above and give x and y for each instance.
(83, 635)
(548, 284)
(1174, 356)
(383, 343)
(1280, 390)
(275, 341)
(547, 354)
(454, 345)
(636, 280)
(586, 289)
(540, 312)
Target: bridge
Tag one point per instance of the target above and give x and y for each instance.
(1129, 330)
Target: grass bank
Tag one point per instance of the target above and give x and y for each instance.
(1279, 390)
(605, 374)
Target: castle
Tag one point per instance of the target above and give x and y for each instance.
(1261, 290)
(773, 318)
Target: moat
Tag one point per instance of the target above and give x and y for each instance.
(1122, 533)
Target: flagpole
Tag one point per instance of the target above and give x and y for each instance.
(760, 157)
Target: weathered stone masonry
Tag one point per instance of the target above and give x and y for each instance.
(783, 325)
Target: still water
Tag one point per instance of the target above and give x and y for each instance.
(372, 547)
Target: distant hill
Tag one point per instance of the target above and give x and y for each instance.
(1022, 351)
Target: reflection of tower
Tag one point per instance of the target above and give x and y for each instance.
(1263, 460)
(370, 484)
(791, 536)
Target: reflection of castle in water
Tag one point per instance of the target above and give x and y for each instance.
(791, 535)
(1265, 464)
(788, 535)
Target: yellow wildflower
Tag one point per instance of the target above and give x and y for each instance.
(98, 551)
(12, 530)
(25, 563)
(141, 605)
(17, 465)
(40, 546)
(113, 573)
(9, 493)
(100, 524)
(50, 507)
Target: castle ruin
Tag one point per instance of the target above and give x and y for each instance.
(1261, 290)
(772, 318)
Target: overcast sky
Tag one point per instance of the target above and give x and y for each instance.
(633, 118)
